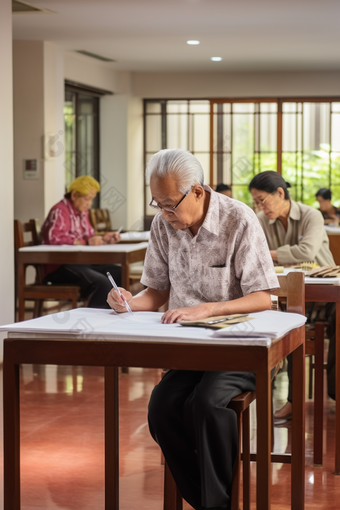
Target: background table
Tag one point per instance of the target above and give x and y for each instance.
(330, 294)
(178, 348)
(123, 254)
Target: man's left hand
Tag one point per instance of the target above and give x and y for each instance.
(188, 314)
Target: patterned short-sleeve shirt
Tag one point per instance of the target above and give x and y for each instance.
(227, 259)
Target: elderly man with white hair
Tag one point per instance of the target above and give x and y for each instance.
(207, 256)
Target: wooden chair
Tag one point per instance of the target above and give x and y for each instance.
(135, 272)
(100, 220)
(315, 347)
(334, 246)
(292, 287)
(39, 291)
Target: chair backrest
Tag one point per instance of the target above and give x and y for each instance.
(31, 226)
(100, 220)
(334, 246)
(292, 287)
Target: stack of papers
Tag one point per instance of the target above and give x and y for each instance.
(106, 325)
(310, 280)
(269, 324)
(218, 322)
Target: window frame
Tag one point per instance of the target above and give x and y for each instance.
(279, 131)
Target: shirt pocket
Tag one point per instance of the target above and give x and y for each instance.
(214, 283)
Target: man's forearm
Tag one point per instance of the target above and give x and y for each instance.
(255, 302)
(149, 299)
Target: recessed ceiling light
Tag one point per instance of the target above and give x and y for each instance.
(193, 42)
(216, 59)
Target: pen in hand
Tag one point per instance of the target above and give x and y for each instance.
(115, 286)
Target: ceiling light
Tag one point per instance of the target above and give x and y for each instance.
(193, 42)
(216, 59)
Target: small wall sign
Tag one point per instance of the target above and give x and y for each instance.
(31, 169)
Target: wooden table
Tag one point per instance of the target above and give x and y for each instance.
(200, 353)
(123, 254)
(330, 294)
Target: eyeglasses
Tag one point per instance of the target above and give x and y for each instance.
(260, 203)
(159, 207)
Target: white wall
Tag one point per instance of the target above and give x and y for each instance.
(6, 167)
(121, 155)
(206, 85)
(113, 158)
(28, 97)
(88, 71)
(135, 173)
(54, 170)
(38, 87)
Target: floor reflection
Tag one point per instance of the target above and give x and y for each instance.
(62, 443)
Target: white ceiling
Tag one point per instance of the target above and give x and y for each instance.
(151, 35)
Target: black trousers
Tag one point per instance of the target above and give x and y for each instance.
(189, 419)
(92, 280)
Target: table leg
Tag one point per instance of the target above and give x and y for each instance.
(298, 429)
(337, 391)
(125, 275)
(111, 439)
(11, 433)
(263, 414)
(318, 393)
(21, 283)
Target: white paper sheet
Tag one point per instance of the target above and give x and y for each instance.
(135, 236)
(332, 230)
(106, 325)
(116, 248)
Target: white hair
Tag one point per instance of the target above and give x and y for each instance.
(177, 163)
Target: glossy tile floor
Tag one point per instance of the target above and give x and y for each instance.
(62, 465)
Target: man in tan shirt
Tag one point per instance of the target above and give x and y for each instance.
(208, 256)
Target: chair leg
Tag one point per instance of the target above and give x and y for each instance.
(310, 381)
(74, 302)
(172, 497)
(246, 458)
(21, 309)
(235, 490)
(318, 393)
(38, 305)
(272, 424)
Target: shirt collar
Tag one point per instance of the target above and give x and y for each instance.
(211, 221)
(71, 207)
(294, 212)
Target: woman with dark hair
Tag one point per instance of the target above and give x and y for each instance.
(224, 189)
(295, 233)
(329, 212)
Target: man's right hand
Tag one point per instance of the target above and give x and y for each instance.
(116, 302)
